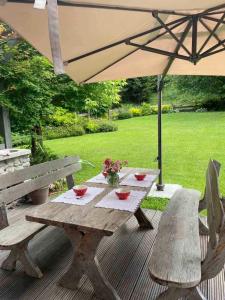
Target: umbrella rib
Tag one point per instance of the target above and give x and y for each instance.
(213, 19)
(155, 15)
(171, 59)
(105, 6)
(159, 51)
(213, 8)
(212, 33)
(128, 54)
(210, 50)
(123, 41)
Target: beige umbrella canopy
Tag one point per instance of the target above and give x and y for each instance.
(95, 40)
(110, 39)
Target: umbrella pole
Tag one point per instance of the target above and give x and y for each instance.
(160, 185)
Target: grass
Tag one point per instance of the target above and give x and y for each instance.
(189, 140)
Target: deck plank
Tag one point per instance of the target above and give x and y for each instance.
(123, 258)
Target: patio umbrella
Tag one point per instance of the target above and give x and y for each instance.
(95, 40)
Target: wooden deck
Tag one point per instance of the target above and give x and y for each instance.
(123, 257)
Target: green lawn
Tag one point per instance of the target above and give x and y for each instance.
(189, 140)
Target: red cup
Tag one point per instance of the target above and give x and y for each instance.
(140, 176)
(80, 190)
(122, 194)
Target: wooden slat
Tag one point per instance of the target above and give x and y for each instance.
(16, 177)
(176, 258)
(18, 232)
(134, 270)
(19, 190)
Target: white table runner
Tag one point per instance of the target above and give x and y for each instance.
(71, 198)
(131, 204)
(132, 181)
(100, 178)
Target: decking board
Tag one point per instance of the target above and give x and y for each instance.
(123, 258)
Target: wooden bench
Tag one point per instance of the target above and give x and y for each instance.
(176, 258)
(14, 185)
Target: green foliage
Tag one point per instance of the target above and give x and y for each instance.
(166, 108)
(62, 116)
(50, 133)
(124, 114)
(25, 85)
(138, 90)
(135, 111)
(20, 139)
(42, 154)
(205, 91)
(94, 98)
(106, 126)
(145, 109)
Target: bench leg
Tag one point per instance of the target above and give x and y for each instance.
(21, 253)
(143, 221)
(9, 264)
(85, 262)
(177, 293)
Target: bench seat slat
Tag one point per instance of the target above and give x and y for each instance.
(18, 232)
(176, 257)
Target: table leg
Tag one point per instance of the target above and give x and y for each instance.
(143, 221)
(85, 262)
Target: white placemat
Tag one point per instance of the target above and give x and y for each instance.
(131, 204)
(100, 178)
(132, 181)
(71, 198)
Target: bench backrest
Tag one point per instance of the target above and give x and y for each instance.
(215, 257)
(20, 183)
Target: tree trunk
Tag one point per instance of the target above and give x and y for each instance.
(36, 137)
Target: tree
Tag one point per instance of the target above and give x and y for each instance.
(139, 90)
(26, 78)
(207, 91)
(94, 97)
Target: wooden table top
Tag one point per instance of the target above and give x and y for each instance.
(87, 217)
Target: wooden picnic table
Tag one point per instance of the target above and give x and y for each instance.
(86, 226)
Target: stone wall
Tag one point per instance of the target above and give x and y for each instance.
(14, 159)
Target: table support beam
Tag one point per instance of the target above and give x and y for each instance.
(85, 262)
(143, 221)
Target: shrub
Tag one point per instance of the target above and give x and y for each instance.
(106, 126)
(124, 114)
(20, 140)
(51, 133)
(145, 109)
(153, 109)
(41, 155)
(94, 126)
(167, 108)
(61, 117)
(135, 111)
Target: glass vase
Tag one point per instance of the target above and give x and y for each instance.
(113, 179)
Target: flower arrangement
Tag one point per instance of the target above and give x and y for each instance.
(111, 169)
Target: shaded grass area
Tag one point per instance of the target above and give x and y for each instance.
(189, 140)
